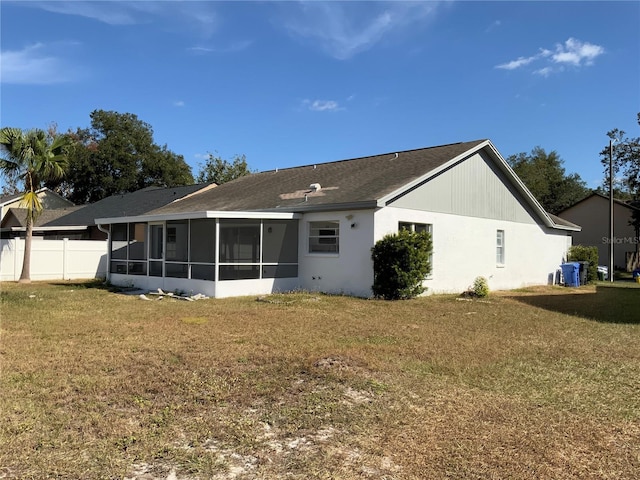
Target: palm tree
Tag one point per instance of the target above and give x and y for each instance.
(33, 157)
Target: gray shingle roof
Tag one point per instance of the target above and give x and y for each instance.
(9, 198)
(627, 204)
(46, 216)
(127, 204)
(561, 221)
(359, 181)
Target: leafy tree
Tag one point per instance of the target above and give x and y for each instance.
(400, 264)
(626, 171)
(33, 157)
(117, 154)
(545, 177)
(219, 171)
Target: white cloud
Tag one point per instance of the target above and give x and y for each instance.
(572, 53)
(322, 105)
(230, 48)
(345, 29)
(544, 72)
(112, 13)
(38, 64)
(576, 53)
(178, 103)
(495, 24)
(202, 156)
(514, 64)
(198, 17)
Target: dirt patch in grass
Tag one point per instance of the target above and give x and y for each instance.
(99, 385)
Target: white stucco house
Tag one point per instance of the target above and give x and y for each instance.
(312, 227)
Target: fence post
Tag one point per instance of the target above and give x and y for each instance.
(65, 246)
(16, 241)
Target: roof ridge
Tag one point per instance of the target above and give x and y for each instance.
(372, 156)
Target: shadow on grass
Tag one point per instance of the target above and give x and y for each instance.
(617, 303)
(93, 283)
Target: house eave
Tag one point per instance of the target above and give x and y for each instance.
(48, 229)
(267, 215)
(567, 228)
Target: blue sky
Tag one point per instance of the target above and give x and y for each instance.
(294, 83)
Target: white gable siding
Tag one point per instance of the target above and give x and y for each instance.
(465, 247)
(473, 188)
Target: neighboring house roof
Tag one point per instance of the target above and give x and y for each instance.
(7, 199)
(18, 216)
(603, 197)
(366, 182)
(127, 204)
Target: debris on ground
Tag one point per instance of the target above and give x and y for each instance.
(160, 294)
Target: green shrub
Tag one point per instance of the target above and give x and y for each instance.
(579, 253)
(400, 264)
(480, 287)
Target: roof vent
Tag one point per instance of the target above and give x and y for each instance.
(315, 187)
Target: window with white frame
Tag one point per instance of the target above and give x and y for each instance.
(324, 237)
(500, 247)
(416, 227)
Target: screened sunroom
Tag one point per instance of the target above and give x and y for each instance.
(214, 253)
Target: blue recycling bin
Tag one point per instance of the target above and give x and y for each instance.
(571, 274)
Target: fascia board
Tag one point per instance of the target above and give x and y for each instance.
(202, 214)
(50, 229)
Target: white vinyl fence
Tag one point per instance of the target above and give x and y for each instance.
(54, 259)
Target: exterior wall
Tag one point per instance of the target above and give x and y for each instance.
(55, 259)
(221, 289)
(465, 247)
(473, 188)
(351, 270)
(592, 214)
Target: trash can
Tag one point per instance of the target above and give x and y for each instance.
(571, 274)
(584, 267)
(603, 272)
(636, 275)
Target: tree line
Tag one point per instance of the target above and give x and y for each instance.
(117, 154)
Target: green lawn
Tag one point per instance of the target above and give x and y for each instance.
(540, 383)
